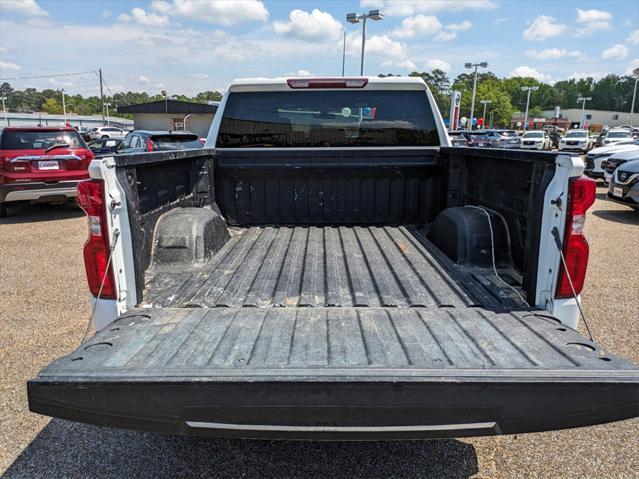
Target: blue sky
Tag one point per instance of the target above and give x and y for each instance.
(186, 46)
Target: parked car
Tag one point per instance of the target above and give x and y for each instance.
(105, 146)
(614, 161)
(576, 140)
(504, 138)
(107, 132)
(84, 132)
(139, 141)
(624, 185)
(476, 139)
(267, 287)
(616, 135)
(600, 138)
(457, 138)
(555, 138)
(41, 164)
(536, 140)
(596, 157)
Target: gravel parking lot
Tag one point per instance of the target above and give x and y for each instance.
(44, 312)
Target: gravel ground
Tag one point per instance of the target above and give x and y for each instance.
(44, 310)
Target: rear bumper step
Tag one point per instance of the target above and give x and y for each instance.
(341, 410)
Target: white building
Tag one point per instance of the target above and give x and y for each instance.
(592, 117)
(168, 114)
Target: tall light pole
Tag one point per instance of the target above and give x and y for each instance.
(107, 105)
(529, 89)
(635, 73)
(583, 100)
(64, 106)
(355, 18)
(472, 102)
(483, 117)
(344, 53)
(4, 109)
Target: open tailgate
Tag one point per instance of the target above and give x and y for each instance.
(337, 373)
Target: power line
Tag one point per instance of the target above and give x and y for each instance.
(48, 76)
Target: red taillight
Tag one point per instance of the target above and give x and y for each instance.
(581, 196)
(327, 82)
(149, 144)
(96, 249)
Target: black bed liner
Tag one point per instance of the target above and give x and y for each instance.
(326, 266)
(344, 373)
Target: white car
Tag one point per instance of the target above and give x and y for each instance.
(597, 156)
(107, 132)
(617, 135)
(616, 159)
(536, 140)
(576, 140)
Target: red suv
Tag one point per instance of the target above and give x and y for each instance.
(41, 164)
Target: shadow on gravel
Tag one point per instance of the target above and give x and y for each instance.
(627, 216)
(67, 449)
(33, 213)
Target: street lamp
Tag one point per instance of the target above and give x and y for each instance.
(635, 73)
(107, 105)
(64, 106)
(4, 109)
(472, 103)
(529, 89)
(355, 18)
(583, 100)
(483, 117)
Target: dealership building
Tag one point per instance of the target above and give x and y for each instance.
(571, 117)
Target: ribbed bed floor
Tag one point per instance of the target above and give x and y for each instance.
(311, 266)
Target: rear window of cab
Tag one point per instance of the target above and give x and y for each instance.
(328, 118)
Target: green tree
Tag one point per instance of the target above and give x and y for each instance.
(52, 105)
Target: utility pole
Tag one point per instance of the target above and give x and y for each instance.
(107, 112)
(64, 106)
(344, 53)
(472, 102)
(635, 73)
(529, 89)
(483, 117)
(4, 109)
(101, 95)
(355, 18)
(583, 100)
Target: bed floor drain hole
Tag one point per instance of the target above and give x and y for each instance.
(584, 346)
(99, 346)
(79, 358)
(603, 358)
(561, 329)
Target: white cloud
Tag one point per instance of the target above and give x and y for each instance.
(199, 76)
(584, 75)
(404, 65)
(144, 80)
(450, 31)
(61, 83)
(528, 72)
(140, 16)
(24, 7)
(303, 73)
(500, 20)
(436, 64)
(40, 22)
(9, 66)
(220, 12)
(417, 26)
(633, 38)
(587, 16)
(615, 52)
(590, 28)
(106, 14)
(633, 64)
(554, 53)
(377, 45)
(314, 26)
(404, 8)
(544, 27)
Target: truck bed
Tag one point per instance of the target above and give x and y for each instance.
(356, 266)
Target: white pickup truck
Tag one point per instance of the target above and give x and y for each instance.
(328, 267)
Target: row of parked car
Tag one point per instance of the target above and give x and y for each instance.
(579, 140)
(44, 164)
